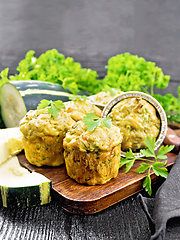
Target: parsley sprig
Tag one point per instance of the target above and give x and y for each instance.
(157, 166)
(92, 121)
(55, 106)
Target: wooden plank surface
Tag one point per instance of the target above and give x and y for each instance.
(125, 220)
(81, 199)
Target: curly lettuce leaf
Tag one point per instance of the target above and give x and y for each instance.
(132, 73)
(54, 67)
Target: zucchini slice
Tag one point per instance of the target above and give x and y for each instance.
(10, 143)
(13, 108)
(21, 188)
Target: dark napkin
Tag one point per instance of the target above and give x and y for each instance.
(165, 205)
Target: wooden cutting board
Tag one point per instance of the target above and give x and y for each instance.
(81, 199)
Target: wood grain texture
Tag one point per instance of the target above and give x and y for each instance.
(81, 199)
(123, 221)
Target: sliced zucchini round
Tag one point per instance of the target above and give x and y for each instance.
(21, 188)
(13, 108)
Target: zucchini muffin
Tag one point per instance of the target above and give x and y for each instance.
(43, 136)
(77, 109)
(104, 97)
(92, 157)
(136, 119)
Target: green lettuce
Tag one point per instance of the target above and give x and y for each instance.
(54, 67)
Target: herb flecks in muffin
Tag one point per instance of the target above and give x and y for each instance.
(92, 157)
(92, 121)
(43, 136)
(137, 119)
(55, 106)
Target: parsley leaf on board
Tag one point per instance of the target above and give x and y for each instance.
(157, 166)
(92, 121)
(55, 106)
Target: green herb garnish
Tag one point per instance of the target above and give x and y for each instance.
(157, 166)
(55, 106)
(92, 121)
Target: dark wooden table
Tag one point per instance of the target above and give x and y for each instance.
(125, 220)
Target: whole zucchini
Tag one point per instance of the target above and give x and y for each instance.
(33, 91)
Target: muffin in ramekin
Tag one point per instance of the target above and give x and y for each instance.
(43, 136)
(137, 119)
(77, 109)
(92, 157)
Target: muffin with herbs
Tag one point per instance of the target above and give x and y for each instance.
(78, 108)
(92, 157)
(43, 136)
(136, 119)
(102, 98)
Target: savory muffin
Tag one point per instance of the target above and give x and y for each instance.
(105, 96)
(77, 109)
(136, 119)
(43, 136)
(92, 157)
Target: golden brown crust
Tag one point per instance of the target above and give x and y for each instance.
(92, 157)
(46, 150)
(93, 167)
(43, 136)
